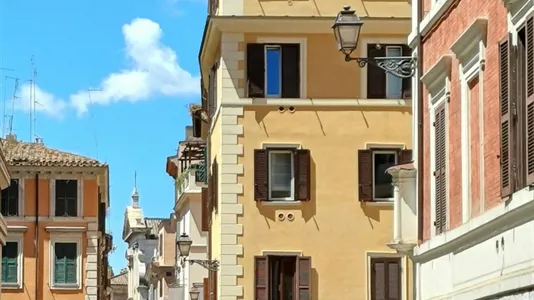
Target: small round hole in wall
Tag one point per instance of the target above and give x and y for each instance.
(281, 109)
(290, 216)
(281, 217)
(291, 109)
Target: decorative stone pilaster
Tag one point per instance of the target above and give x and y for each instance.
(91, 266)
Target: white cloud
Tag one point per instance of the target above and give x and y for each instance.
(45, 102)
(155, 71)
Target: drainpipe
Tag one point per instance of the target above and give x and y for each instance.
(420, 160)
(36, 235)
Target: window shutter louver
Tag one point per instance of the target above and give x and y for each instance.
(302, 169)
(290, 71)
(210, 197)
(406, 82)
(261, 278)
(440, 175)
(256, 70)
(530, 99)
(59, 270)
(376, 77)
(304, 278)
(394, 280)
(261, 176)
(70, 271)
(215, 187)
(204, 211)
(12, 270)
(386, 281)
(365, 175)
(206, 289)
(378, 284)
(506, 120)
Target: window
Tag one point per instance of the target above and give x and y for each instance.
(282, 174)
(66, 198)
(382, 85)
(212, 90)
(386, 278)
(282, 277)
(273, 71)
(161, 245)
(11, 264)
(374, 183)
(440, 168)
(65, 264)
(10, 199)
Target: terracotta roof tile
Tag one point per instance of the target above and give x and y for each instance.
(120, 279)
(19, 153)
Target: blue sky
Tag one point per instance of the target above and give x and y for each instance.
(140, 57)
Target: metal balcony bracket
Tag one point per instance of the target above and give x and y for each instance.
(401, 66)
(211, 265)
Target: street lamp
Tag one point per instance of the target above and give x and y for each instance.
(347, 32)
(194, 293)
(184, 243)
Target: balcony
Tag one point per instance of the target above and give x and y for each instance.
(190, 181)
(108, 243)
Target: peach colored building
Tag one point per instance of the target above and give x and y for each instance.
(55, 209)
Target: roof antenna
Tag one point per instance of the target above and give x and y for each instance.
(135, 194)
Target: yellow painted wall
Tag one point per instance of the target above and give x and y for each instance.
(90, 209)
(215, 149)
(334, 228)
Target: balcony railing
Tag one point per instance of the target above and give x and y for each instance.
(190, 181)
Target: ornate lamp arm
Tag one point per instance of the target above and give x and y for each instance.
(400, 66)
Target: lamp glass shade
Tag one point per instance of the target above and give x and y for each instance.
(194, 293)
(184, 244)
(347, 30)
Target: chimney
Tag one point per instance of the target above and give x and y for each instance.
(11, 137)
(188, 132)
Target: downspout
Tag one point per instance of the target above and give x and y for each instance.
(36, 235)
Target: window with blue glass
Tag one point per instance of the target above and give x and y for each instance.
(273, 71)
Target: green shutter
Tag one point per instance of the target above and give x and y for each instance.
(70, 271)
(60, 270)
(4, 269)
(12, 270)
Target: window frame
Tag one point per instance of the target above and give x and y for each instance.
(399, 47)
(20, 200)
(364, 42)
(19, 239)
(375, 151)
(65, 238)
(302, 41)
(79, 196)
(275, 151)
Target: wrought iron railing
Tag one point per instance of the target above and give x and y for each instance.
(201, 172)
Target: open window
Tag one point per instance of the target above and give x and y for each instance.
(10, 199)
(282, 277)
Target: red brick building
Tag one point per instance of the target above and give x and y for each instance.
(475, 159)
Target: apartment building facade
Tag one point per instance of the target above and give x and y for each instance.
(5, 180)
(299, 204)
(187, 168)
(56, 245)
(475, 218)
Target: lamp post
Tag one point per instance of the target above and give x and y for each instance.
(347, 29)
(194, 293)
(184, 243)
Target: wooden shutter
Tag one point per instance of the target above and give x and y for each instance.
(386, 281)
(406, 82)
(304, 281)
(10, 262)
(213, 285)
(376, 77)
(302, 169)
(261, 175)
(506, 119)
(530, 99)
(204, 209)
(256, 70)
(12, 270)
(440, 184)
(215, 188)
(60, 267)
(261, 278)
(405, 156)
(365, 175)
(70, 270)
(206, 289)
(290, 71)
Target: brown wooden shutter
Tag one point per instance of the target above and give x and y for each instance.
(506, 120)
(302, 169)
(365, 175)
(261, 278)
(304, 280)
(205, 211)
(256, 70)
(206, 289)
(290, 71)
(214, 284)
(386, 280)
(215, 170)
(406, 82)
(405, 156)
(261, 175)
(376, 77)
(210, 198)
(530, 99)
(440, 187)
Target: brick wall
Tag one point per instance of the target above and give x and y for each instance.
(437, 43)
